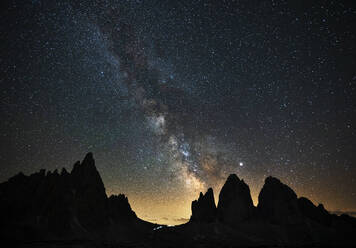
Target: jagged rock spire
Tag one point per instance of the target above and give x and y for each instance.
(235, 202)
(204, 209)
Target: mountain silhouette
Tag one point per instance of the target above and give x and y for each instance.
(204, 209)
(64, 206)
(235, 202)
(71, 209)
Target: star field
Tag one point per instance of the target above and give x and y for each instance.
(173, 96)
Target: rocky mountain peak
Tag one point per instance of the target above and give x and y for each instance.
(278, 202)
(86, 175)
(204, 209)
(235, 202)
(89, 160)
(64, 171)
(88, 164)
(63, 203)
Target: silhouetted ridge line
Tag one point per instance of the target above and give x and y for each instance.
(66, 206)
(280, 217)
(52, 205)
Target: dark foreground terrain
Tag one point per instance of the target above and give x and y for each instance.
(52, 209)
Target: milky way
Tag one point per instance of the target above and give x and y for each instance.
(173, 96)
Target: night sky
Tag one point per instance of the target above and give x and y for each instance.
(173, 96)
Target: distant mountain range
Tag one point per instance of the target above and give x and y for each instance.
(72, 210)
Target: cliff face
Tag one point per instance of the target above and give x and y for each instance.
(60, 205)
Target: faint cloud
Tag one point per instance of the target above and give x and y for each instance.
(152, 220)
(181, 219)
(339, 212)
